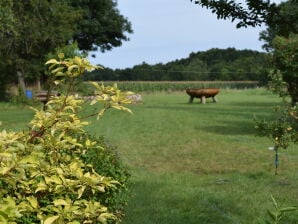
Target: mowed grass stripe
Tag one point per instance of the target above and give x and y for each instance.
(194, 163)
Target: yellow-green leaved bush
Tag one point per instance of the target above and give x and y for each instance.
(44, 174)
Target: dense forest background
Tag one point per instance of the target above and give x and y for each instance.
(212, 65)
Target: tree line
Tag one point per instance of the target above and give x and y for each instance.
(211, 65)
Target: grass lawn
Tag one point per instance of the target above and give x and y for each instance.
(194, 163)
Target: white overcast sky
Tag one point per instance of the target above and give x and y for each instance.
(166, 30)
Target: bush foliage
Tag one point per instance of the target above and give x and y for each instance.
(54, 172)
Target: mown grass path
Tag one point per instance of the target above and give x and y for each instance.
(194, 163)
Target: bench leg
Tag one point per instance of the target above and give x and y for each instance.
(44, 107)
(203, 99)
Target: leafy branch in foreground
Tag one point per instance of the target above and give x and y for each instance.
(43, 174)
(251, 13)
(278, 213)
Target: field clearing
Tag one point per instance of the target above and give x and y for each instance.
(194, 163)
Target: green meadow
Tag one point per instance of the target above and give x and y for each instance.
(194, 163)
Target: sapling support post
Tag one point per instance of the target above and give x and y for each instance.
(276, 158)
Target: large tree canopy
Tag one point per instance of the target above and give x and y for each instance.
(36, 27)
(93, 23)
(251, 13)
(102, 26)
(29, 30)
(285, 24)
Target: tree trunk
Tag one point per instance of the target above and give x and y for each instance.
(293, 91)
(21, 81)
(38, 86)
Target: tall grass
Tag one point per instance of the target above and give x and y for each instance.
(173, 86)
(195, 163)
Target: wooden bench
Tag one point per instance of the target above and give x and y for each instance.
(43, 96)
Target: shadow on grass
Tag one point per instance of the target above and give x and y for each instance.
(217, 108)
(256, 104)
(157, 204)
(231, 199)
(233, 128)
(218, 119)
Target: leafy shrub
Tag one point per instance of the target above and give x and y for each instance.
(105, 160)
(45, 174)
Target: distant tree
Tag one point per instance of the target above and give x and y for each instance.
(142, 72)
(159, 73)
(101, 75)
(196, 69)
(214, 64)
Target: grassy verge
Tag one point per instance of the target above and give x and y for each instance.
(14, 117)
(194, 163)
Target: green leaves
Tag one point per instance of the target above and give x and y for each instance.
(8, 210)
(282, 130)
(111, 97)
(43, 170)
(253, 14)
(51, 220)
(71, 67)
(33, 202)
(58, 202)
(285, 58)
(276, 215)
